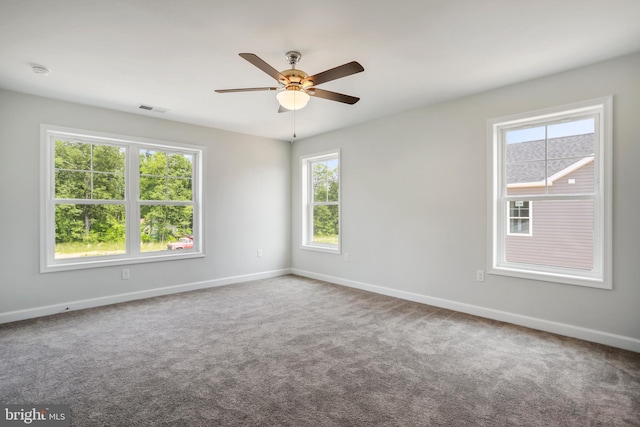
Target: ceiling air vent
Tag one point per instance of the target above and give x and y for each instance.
(152, 108)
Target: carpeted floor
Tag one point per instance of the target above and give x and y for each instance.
(291, 351)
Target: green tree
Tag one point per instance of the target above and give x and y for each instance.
(94, 172)
(89, 172)
(325, 181)
(166, 177)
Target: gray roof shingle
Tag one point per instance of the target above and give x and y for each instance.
(525, 160)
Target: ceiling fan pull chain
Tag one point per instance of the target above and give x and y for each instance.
(293, 138)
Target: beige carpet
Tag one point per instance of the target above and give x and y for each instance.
(291, 351)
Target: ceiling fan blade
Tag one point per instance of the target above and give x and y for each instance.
(281, 109)
(255, 60)
(333, 96)
(344, 70)
(246, 89)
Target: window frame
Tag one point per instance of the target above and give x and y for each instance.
(601, 275)
(132, 146)
(308, 203)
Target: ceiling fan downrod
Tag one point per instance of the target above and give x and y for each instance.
(293, 57)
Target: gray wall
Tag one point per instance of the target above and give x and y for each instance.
(247, 205)
(414, 204)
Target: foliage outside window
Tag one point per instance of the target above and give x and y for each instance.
(321, 196)
(558, 160)
(111, 200)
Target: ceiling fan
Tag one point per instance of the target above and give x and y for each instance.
(296, 86)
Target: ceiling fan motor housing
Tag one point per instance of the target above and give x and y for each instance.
(296, 79)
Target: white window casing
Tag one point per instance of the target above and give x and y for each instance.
(308, 202)
(549, 192)
(132, 147)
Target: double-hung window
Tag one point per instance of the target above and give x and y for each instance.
(519, 218)
(321, 202)
(550, 198)
(109, 200)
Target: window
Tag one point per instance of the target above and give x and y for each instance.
(557, 164)
(519, 218)
(109, 200)
(321, 199)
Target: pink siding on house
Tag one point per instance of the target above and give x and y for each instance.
(562, 231)
(583, 181)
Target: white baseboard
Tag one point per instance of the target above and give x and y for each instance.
(613, 340)
(31, 313)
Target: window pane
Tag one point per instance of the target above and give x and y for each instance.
(571, 127)
(519, 226)
(152, 188)
(525, 177)
(570, 151)
(527, 134)
(519, 208)
(180, 165)
(161, 225)
(553, 159)
(179, 188)
(72, 155)
(519, 220)
(333, 169)
(108, 186)
(333, 193)
(525, 156)
(326, 180)
(320, 192)
(89, 230)
(107, 158)
(325, 224)
(561, 237)
(153, 162)
(72, 185)
(89, 171)
(320, 171)
(165, 176)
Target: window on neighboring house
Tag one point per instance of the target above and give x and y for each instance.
(111, 200)
(557, 163)
(321, 198)
(519, 218)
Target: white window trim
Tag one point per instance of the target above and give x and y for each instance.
(530, 218)
(307, 222)
(601, 276)
(132, 255)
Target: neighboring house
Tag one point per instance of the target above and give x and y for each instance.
(550, 232)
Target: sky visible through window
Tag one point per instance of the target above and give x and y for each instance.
(576, 127)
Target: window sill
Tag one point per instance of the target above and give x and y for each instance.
(330, 249)
(547, 276)
(80, 263)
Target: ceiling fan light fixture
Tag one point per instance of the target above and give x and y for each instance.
(293, 99)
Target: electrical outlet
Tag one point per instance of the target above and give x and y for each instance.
(480, 275)
(346, 257)
(259, 253)
(126, 274)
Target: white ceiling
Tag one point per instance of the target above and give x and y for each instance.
(173, 53)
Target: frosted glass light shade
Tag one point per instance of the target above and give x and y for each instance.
(293, 99)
